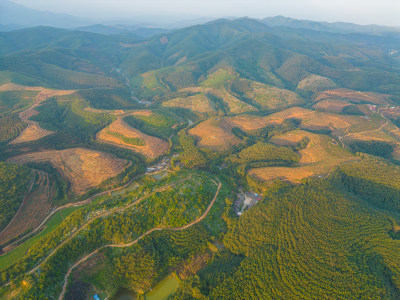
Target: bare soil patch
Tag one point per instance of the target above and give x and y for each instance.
(215, 134)
(332, 105)
(34, 209)
(33, 131)
(320, 156)
(153, 147)
(83, 168)
(355, 96)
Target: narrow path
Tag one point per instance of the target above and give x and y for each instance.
(135, 241)
(362, 132)
(106, 213)
(84, 202)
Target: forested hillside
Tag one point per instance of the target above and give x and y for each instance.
(237, 159)
(15, 181)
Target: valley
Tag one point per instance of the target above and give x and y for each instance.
(227, 160)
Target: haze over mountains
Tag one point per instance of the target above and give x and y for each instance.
(236, 158)
(15, 16)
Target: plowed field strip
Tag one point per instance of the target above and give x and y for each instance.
(36, 205)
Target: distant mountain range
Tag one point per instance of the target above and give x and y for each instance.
(336, 27)
(14, 16)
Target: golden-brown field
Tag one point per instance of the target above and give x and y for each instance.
(315, 82)
(34, 209)
(332, 105)
(320, 156)
(33, 131)
(270, 97)
(215, 134)
(197, 103)
(83, 168)
(153, 147)
(355, 96)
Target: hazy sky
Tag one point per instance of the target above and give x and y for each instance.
(384, 12)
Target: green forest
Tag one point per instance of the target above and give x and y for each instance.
(14, 184)
(272, 169)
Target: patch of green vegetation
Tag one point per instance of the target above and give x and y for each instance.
(108, 98)
(19, 78)
(313, 231)
(14, 181)
(10, 127)
(71, 118)
(58, 69)
(15, 100)
(19, 252)
(378, 148)
(264, 152)
(128, 140)
(219, 78)
(191, 155)
(158, 119)
(164, 289)
(159, 123)
(374, 180)
(394, 234)
(174, 206)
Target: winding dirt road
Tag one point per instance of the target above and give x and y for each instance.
(9, 247)
(137, 240)
(104, 214)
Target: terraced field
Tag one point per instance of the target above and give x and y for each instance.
(247, 122)
(83, 168)
(35, 207)
(33, 131)
(270, 97)
(315, 82)
(215, 134)
(320, 156)
(231, 103)
(152, 148)
(332, 105)
(355, 96)
(197, 103)
(312, 120)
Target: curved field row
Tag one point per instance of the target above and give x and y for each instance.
(197, 103)
(64, 289)
(315, 82)
(118, 112)
(33, 131)
(36, 205)
(332, 105)
(214, 133)
(153, 147)
(202, 103)
(44, 224)
(271, 97)
(355, 96)
(83, 168)
(310, 119)
(320, 156)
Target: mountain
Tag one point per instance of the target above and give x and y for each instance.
(229, 160)
(336, 27)
(13, 13)
(122, 29)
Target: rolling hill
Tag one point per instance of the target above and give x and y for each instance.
(235, 159)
